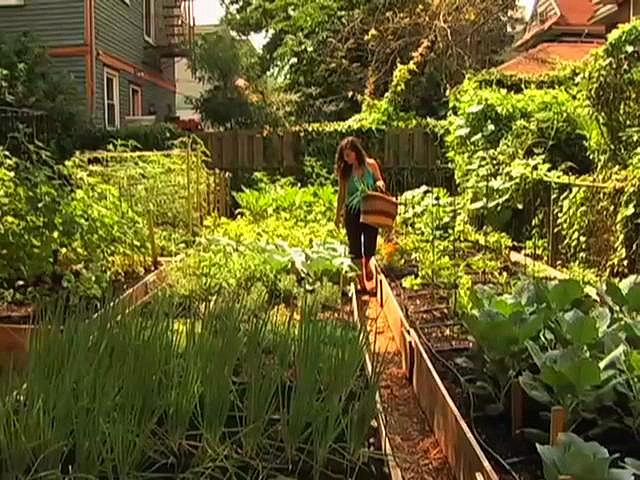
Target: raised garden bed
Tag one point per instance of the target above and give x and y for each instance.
(507, 437)
(15, 335)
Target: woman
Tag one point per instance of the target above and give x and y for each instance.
(357, 174)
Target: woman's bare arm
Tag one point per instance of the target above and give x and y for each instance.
(341, 200)
(377, 174)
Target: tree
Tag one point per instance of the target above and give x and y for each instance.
(224, 64)
(239, 94)
(26, 79)
(335, 52)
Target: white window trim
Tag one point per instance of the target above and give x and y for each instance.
(116, 97)
(150, 39)
(11, 3)
(133, 87)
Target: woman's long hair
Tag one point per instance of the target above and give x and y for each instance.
(343, 169)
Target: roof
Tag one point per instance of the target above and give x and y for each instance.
(546, 57)
(574, 15)
(575, 12)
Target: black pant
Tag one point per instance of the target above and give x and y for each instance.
(363, 238)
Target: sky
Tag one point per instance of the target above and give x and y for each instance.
(209, 12)
(528, 4)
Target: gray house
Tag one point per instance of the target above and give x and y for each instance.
(121, 53)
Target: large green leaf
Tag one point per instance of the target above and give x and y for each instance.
(534, 388)
(615, 294)
(569, 372)
(535, 352)
(564, 293)
(633, 465)
(581, 460)
(627, 283)
(579, 328)
(633, 298)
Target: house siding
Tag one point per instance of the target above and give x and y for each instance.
(57, 23)
(152, 95)
(120, 32)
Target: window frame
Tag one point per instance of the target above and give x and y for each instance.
(135, 88)
(149, 38)
(115, 76)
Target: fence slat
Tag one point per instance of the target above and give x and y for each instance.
(405, 144)
(289, 151)
(229, 150)
(258, 151)
(276, 152)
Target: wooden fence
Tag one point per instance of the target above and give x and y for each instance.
(35, 124)
(249, 150)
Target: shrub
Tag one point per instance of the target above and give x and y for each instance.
(611, 83)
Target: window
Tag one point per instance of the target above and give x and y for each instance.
(111, 99)
(135, 101)
(635, 8)
(149, 15)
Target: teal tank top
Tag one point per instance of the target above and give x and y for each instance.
(357, 187)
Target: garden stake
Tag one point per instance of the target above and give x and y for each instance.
(152, 237)
(189, 202)
(517, 407)
(558, 420)
(198, 196)
(551, 256)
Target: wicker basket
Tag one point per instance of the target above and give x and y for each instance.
(378, 210)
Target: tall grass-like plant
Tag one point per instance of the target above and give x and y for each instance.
(227, 386)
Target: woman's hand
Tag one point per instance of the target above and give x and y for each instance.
(381, 186)
(338, 221)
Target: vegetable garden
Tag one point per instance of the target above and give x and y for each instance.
(511, 294)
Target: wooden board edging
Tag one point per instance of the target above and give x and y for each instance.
(466, 458)
(543, 268)
(396, 320)
(387, 450)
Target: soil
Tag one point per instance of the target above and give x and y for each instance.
(493, 430)
(414, 446)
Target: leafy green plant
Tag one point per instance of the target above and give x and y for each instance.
(571, 379)
(630, 387)
(580, 460)
(501, 325)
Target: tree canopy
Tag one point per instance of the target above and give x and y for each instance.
(335, 52)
